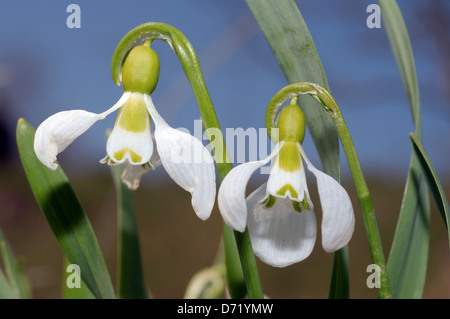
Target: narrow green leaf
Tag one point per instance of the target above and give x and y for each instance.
(64, 214)
(407, 262)
(235, 276)
(433, 181)
(131, 284)
(401, 46)
(18, 283)
(339, 287)
(6, 291)
(287, 34)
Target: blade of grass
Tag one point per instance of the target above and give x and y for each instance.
(64, 214)
(131, 284)
(287, 34)
(401, 47)
(236, 282)
(339, 287)
(407, 262)
(18, 283)
(6, 290)
(433, 181)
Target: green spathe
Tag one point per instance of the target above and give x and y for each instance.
(140, 70)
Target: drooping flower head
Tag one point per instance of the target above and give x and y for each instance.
(280, 214)
(131, 143)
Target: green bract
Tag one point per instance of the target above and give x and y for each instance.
(140, 70)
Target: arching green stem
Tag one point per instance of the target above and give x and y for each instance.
(325, 99)
(188, 58)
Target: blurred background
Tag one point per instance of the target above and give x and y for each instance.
(46, 67)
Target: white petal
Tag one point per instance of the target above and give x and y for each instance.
(61, 129)
(187, 162)
(231, 198)
(338, 220)
(131, 175)
(280, 235)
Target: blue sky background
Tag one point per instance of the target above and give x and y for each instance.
(46, 67)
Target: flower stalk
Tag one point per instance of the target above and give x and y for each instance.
(328, 103)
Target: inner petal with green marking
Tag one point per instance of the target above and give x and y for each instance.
(286, 178)
(131, 137)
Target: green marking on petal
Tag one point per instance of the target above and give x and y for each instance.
(269, 201)
(297, 206)
(305, 203)
(288, 187)
(133, 115)
(289, 158)
(135, 158)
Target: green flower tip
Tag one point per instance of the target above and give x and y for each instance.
(140, 70)
(291, 124)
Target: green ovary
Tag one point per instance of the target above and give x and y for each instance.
(140, 70)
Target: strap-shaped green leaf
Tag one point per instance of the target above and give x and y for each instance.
(6, 290)
(64, 214)
(235, 276)
(339, 286)
(131, 283)
(407, 262)
(401, 47)
(14, 284)
(433, 181)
